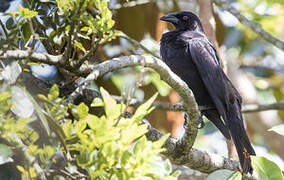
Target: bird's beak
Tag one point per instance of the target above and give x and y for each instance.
(170, 18)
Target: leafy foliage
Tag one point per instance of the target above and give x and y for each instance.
(74, 22)
(108, 147)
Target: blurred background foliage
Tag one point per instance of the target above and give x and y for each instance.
(93, 24)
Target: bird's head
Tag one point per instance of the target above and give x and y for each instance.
(183, 20)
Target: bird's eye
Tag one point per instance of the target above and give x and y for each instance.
(185, 18)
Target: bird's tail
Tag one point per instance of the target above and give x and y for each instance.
(214, 117)
(240, 137)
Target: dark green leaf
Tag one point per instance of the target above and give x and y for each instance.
(40, 114)
(26, 32)
(10, 23)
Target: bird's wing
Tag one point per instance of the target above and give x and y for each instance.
(204, 57)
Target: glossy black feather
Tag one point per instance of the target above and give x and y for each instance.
(190, 55)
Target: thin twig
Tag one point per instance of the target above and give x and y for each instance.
(167, 106)
(136, 43)
(39, 29)
(250, 108)
(93, 49)
(4, 28)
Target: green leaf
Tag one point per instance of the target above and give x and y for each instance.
(220, 174)
(83, 158)
(140, 145)
(266, 169)
(126, 156)
(162, 87)
(97, 102)
(27, 13)
(53, 92)
(176, 174)
(94, 122)
(82, 110)
(80, 46)
(143, 109)
(158, 144)
(279, 129)
(26, 32)
(235, 176)
(80, 126)
(4, 96)
(111, 108)
(5, 154)
(128, 135)
(42, 97)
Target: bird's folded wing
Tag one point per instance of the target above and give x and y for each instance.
(204, 57)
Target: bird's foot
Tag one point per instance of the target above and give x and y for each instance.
(247, 156)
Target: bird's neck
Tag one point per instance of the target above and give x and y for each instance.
(196, 27)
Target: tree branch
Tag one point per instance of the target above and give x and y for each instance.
(4, 29)
(195, 159)
(136, 43)
(27, 54)
(257, 28)
(167, 75)
(247, 108)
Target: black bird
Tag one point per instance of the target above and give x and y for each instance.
(191, 56)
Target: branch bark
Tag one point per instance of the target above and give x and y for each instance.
(257, 28)
(35, 57)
